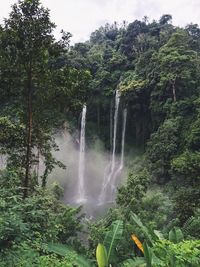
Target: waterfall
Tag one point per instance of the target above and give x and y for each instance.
(117, 100)
(123, 137)
(111, 125)
(81, 166)
(121, 166)
(109, 171)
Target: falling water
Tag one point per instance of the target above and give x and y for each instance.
(117, 100)
(111, 167)
(81, 168)
(123, 137)
(121, 166)
(111, 125)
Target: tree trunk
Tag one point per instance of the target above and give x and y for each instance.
(29, 133)
(174, 89)
(38, 165)
(44, 178)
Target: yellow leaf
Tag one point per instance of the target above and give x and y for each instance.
(137, 242)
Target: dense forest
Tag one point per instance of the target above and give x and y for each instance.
(44, 83)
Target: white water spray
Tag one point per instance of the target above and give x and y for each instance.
(81, 167)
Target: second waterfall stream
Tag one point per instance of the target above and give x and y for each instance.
(114, 168)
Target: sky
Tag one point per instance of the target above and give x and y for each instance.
(81, 17)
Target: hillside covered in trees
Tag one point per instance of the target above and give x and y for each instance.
(44, 84)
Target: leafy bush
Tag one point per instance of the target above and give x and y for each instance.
(25, 224)
(182, 254)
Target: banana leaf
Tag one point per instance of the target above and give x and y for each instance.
(176, 235)
(112, 239)
(64, 250)
(148, 254)
(149, 234)
(101, 256)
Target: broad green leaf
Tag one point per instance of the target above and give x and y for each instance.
(176, 235)
(65, 251)
(112, 238)
(147, 254)
(150, 236)
(101, 256)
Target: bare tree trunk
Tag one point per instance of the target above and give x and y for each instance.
(44, 177)
(29, 134)
(38, 165)
(174, 89)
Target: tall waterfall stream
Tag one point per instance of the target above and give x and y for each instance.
(81, 198)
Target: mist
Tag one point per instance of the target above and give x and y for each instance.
(97, 159)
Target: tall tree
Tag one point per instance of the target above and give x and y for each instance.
(33, 81)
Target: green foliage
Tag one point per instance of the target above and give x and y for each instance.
(50, 219)
(185, 172)
(106, 253)
(138, 262)
(177, 67)
(191, 227)
(193, 135)
(156, 209)
(173, 252)
(54, 261)
(131, 82)
(175, 235)
(130, 195)
(10, 135)
(148, 255)
(96, 233)
(67, 252)
(36, 89)
(112, 239)
(183, 254)
(24, 255)
(101, 256)
(12, 225)
(150, 236)
(160, 151)
(187, 167)
(41, 216)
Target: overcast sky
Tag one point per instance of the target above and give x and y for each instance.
(81, 17)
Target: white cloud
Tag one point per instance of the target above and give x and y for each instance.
(81, 17)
